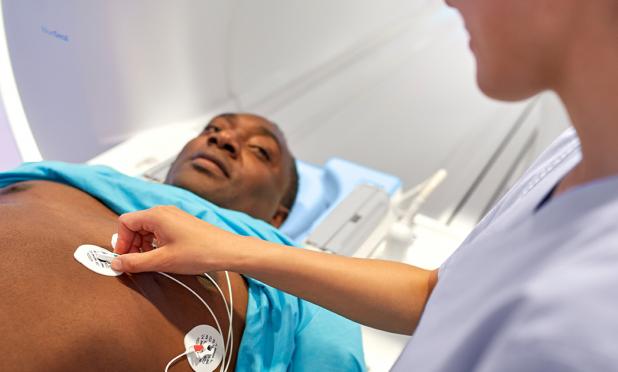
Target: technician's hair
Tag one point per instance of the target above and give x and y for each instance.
(292, 191)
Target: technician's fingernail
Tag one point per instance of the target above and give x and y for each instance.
(117, 264)
(114, 240)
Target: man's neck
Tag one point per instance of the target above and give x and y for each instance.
(590, 93)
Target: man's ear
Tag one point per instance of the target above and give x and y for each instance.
(280, 215)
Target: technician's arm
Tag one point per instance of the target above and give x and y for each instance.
(386, 295)
(381, 294)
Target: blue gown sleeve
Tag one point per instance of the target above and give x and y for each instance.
(327, 342)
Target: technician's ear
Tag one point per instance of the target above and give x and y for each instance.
(280, 215)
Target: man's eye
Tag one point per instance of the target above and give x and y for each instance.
(212, 128)
(263, 153)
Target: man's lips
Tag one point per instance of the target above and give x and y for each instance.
(208, 158)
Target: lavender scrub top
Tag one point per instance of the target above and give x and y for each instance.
(535, 285)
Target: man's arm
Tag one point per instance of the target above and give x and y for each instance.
(381, 294)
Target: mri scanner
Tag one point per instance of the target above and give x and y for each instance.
(373, 96)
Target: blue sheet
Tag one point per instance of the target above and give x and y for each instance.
(282, 332)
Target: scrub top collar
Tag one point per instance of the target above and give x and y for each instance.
(534, 194)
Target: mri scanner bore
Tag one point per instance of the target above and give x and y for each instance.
(374, 98)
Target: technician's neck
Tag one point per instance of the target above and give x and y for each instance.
(590, 93)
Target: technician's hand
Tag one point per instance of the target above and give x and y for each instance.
(186, 245)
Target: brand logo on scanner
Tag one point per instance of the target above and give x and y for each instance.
(54, 33)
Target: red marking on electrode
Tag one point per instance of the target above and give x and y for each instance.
(198, 348)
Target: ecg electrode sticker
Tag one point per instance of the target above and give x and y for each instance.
(85, 254)
(213, 348)
(114, 240)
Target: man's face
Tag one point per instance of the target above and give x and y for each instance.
(518, 44)
(240, 162)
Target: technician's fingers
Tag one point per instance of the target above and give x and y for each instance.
(140, 262)
(133, 226)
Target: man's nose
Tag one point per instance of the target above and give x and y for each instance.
(225, 141)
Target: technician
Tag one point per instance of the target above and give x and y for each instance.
(535, 285)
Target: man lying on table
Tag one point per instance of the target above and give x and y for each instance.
(57, 315)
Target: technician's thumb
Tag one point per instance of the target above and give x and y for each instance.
(136, 262)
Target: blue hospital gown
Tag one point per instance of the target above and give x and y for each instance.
(531, 289)
(282, 332)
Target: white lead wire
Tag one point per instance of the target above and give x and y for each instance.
(174, 360)
(229, 343)
(230, 335)
(229, 288)
(205, 304)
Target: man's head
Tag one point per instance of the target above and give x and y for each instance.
(240, 162)
(523, 47)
